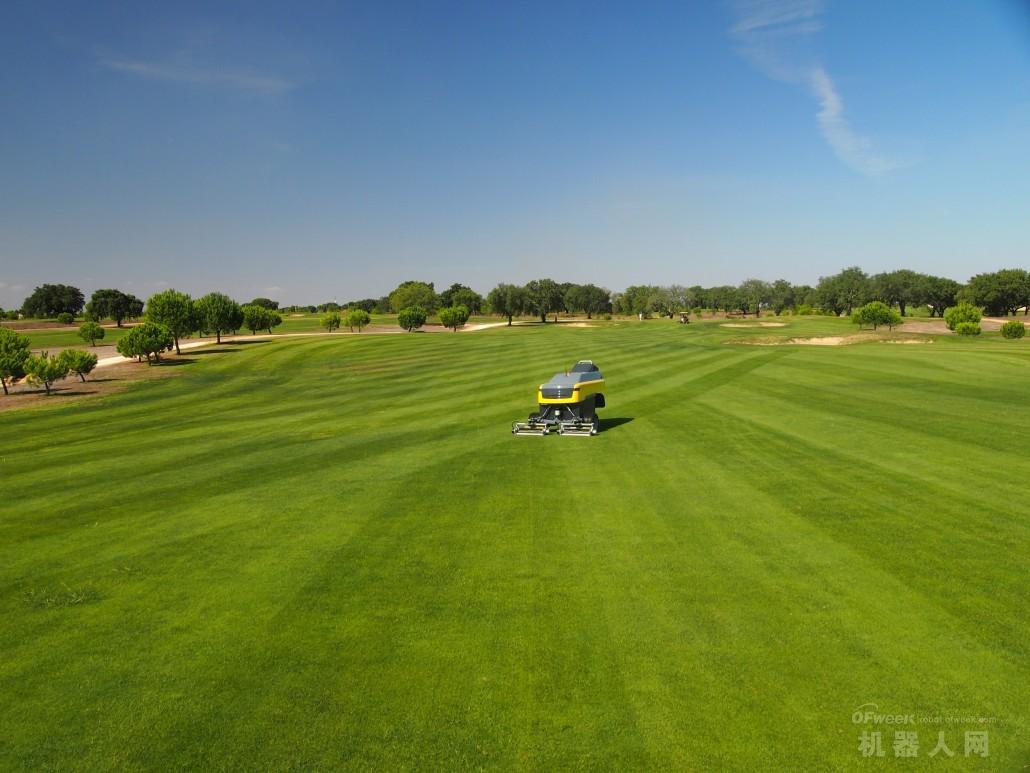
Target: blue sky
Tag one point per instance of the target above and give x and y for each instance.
(313, 151)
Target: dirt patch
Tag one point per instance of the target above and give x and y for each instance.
(111, 380)
(995, 323)
(935, 326)
(908, 341)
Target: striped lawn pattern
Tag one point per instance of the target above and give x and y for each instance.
(323, 553)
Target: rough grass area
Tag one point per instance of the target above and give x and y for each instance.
(319, 553)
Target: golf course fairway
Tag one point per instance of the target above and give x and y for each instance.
(330, 552)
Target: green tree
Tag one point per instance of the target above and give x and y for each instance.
(1013, 329)
(588, 298)
(265, 303)
(781, 296)
(331, 321)
(358, 318)
(412, 318)
(218, 314)
(414, 293)
(91, 332)
(366, 304)
(754, 293)
(462, 295)
(1001, 292)
(508, 300)
(963, 312)
(50, 300)
(45, 369)
(14, 352)
(454, 316)
(936, 292)
(78, 362)
(843, 292)
(259, 317)
(175, 311)
(113, 304)
(897, 288)
(146, 340)
(876, 313)
(543, 296)
(724, 297)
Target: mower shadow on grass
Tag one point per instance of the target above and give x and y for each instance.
(607, 424)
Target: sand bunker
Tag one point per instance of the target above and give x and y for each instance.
(753, 324)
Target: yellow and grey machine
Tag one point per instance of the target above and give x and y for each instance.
(568, 403)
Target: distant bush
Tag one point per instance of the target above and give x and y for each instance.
(454, 316)
(45, 369)
(412, 318)
(14, 352)
(967, 329)
(1013, 329)
(91, 332)
(964, 312)
(607, 317)
(876, 313)
(358, 318)
(330, 321)
(78, 362)
(66, 318)
(146, 340)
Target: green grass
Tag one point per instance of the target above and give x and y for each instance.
(69, 336)
(325, 553)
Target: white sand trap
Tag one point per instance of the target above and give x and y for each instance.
(909, 341)
(753, 324)
(823, 341)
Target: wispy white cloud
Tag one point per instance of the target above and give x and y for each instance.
(273, 289)
(181, 72)
(775, 36)
(854, 150)
(765, 15)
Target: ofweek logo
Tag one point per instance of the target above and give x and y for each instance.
(907, 743)
(867, 713)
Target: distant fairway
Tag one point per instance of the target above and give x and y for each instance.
(317, 553)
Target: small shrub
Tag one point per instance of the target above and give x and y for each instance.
(876, 313)
(1013, 329)
(91, 332)
(330, 321)
(412, 318)
(78, 362)
(65, 318)
(607, 317)
(967, 329)
(45, 369)
(964, 312)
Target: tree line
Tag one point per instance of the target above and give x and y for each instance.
(998, 293)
